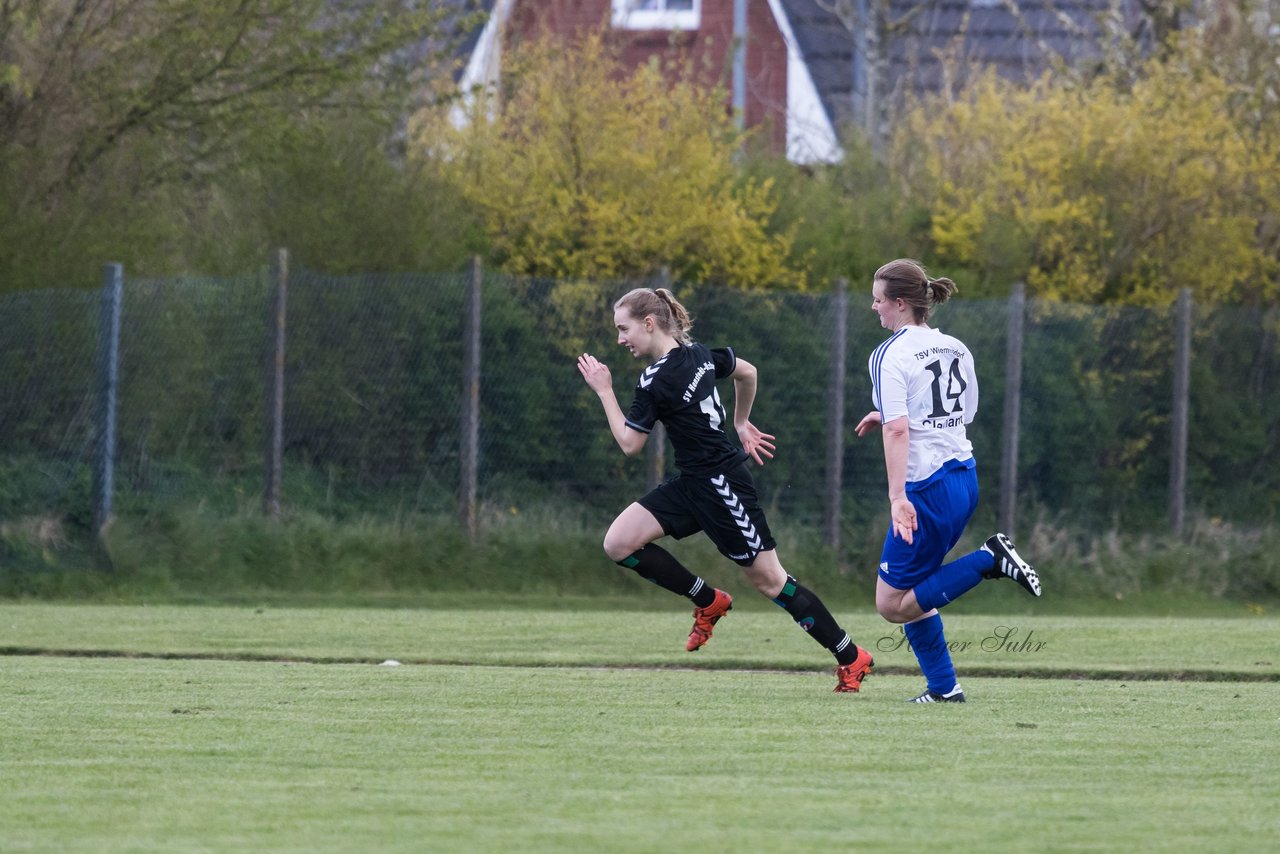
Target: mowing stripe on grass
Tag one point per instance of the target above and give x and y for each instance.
(1182, 675)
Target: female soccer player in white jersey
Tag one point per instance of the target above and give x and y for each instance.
(713, 493)
(925, 391)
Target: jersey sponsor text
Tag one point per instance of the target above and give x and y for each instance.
(697, 378)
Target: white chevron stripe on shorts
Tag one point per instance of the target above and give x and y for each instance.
(738, 512)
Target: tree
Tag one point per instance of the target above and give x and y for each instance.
(584, 169)
(876, 31)
(1102, 192)
(325, 186)
(846, 218)
(112, 113)
(84, 78)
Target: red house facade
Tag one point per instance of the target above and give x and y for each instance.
(774, 94)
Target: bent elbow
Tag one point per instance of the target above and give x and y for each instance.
(897, 430)
(632, 442)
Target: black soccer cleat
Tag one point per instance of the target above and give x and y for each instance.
(955, 695)
(1009, 564)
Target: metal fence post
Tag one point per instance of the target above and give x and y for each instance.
(1180, 415)
(108, 386)
(835, 413)
(273, 455)
(468, 487)
(1012, 408)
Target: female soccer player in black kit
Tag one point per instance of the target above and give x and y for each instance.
(714, 492)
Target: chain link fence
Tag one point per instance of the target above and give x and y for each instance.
(374, 397)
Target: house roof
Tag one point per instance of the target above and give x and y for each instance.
(449, 48)
(1021, 39)
(827, 49)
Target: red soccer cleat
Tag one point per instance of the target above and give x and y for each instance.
(849, 676)
(705, 619)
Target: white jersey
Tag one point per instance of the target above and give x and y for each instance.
(928, 377)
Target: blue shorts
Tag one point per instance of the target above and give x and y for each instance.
(944, 505)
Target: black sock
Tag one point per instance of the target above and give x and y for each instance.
(656, 564)
(810, 614)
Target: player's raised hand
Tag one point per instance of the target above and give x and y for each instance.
(755, 443)
(595, 373)
(869, 423)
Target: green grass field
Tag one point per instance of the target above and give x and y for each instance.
(586, 727)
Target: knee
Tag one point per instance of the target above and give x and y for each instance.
(769, 586)
(618, 546)
(891, 611)
(766, 574)
(615, 549)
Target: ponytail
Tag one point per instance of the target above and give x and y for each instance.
(940, 290)
(662, 305)
(907, 280)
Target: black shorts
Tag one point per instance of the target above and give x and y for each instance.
(723, 506)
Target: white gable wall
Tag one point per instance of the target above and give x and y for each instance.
(484, 66)
(811, 138)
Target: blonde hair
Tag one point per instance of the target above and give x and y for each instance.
(663, 306)
(907, 280)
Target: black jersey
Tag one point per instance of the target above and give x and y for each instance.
(680, 391)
